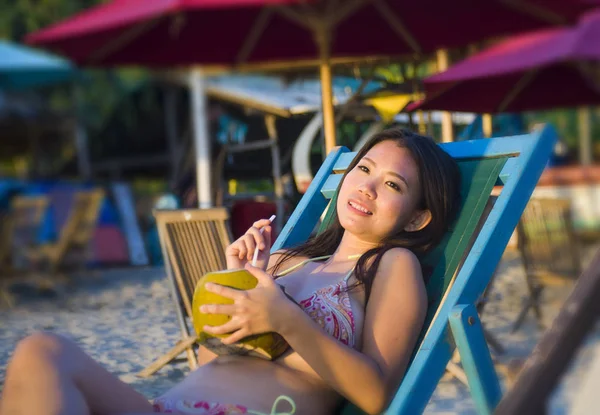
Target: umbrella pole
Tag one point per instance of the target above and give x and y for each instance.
(80, 135)
(170, 106)
(447, 128)
(323, 40)
(585, 136)
(197, 85)
(486, 120)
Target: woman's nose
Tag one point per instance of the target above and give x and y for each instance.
(367, 188)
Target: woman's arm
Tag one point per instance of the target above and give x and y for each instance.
(394, 316)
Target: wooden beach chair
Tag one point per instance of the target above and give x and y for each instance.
(70, 250)
(553, 354)
(19, 227)
(193, 242)
(549, 250)
(515, 163)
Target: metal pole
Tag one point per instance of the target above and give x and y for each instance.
(170, 107)
(81, 138)
(201, 138)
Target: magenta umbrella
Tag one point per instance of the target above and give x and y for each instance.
(541, 70)
(171, 33)
(234, 33)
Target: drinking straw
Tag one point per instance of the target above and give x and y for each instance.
(271, 219)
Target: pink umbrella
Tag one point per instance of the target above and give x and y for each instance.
(168, 33)
(185, 32)
(541, 70)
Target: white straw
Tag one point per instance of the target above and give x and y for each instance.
(255, 257)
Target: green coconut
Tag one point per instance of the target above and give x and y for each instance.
(267, 345)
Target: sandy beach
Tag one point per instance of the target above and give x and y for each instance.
(125, 318)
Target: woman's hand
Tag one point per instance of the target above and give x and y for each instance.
(241, 251)
(259, 310)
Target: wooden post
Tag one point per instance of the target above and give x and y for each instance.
(488, 128)
(422, 124)
(277, 181)
(323, 40)
(585, 135)
(553, 354)
(447, 128)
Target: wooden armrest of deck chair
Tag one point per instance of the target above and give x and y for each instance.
(554, 353)
(180, 347)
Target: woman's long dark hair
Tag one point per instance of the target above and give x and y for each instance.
(439, 177)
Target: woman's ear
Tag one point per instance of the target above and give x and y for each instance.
(420, 219)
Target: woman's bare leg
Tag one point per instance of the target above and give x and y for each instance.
(50, 375)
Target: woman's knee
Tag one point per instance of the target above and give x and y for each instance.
(43, 345)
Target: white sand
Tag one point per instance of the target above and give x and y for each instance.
(124, 318)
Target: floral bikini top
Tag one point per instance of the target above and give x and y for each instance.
(330, 306)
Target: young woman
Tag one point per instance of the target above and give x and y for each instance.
(360, 303)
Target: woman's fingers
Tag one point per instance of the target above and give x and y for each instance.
(261, 223)
(228, 327)
(235, 337)
(227, 309)
(224, 291)
(259, 239)
(250, 245)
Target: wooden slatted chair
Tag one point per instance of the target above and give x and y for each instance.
(19, 228)
(554, 353)
(71, 248)
(193, 242)
(549, 250)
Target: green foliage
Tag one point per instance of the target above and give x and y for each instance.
(566, 123)
(20, 17)
(98, 91)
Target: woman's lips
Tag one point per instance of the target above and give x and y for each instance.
(358, 208)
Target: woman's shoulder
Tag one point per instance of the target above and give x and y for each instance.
(399, 259)
(399, 274)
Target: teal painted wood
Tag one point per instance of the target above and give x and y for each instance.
(475, 358)
(531, 154)
(306, 215)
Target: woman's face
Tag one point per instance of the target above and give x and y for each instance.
(380, 195)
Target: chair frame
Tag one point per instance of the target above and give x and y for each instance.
(9, 224)
(77, 231)
(455, 322)
(212, 260)
(553, 354)
(539, 262)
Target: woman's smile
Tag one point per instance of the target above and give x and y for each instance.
(359, 209)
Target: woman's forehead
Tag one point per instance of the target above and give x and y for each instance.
(390, 156)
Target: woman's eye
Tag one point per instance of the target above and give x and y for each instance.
(394, 186)
(364, 168)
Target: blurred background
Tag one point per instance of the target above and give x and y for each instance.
(110, 109)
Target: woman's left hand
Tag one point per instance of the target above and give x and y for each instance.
(255, 311)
